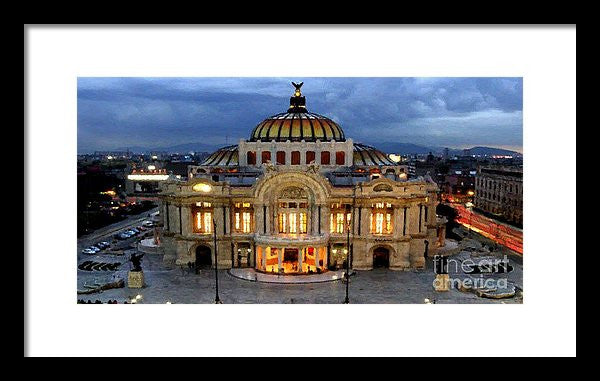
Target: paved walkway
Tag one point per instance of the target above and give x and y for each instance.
(255, 276)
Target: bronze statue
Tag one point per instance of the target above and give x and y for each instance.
(136, 261)
(298, 85)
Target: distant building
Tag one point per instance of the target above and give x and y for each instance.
(143, 179)
(499, 191)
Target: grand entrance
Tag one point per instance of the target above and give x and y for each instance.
(291, 260)
(203, 257)
(381, 257)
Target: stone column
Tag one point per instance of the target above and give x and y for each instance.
(316, 257)
(398, 221)
(219, 219)
(325, 212)
(366, 219)
(279, 257)
(300, 255)
(186, 219)
(259, 216)
(228, 220)
(235, 253)
(263, 250)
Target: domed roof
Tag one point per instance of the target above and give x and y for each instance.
(369, 156)
(297, 124)
(296, 127)
(226, 156)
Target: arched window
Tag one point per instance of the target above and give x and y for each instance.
(251, 157)
(292, 211)
(325, 158)
(340, 157)
(310, 157)
(281, 157)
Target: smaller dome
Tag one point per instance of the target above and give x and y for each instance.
(367, 155)
(226, 156)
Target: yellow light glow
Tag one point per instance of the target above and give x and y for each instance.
(148, 177)
(470, 193)
(152, 167)
(395, 158)
(154, 157)
(201, 187)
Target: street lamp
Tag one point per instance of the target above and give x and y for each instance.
(347, 275)
(217, 300)
(349, 211)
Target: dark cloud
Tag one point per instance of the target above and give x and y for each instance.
(455, 112)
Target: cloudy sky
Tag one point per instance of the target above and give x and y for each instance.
(161, 112)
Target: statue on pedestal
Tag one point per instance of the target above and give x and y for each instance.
(136, 261)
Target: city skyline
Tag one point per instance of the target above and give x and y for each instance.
(457, 113)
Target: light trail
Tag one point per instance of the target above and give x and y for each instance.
(498, 232)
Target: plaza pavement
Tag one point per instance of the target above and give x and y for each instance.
(373, 286)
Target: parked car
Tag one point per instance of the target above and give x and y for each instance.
(88, 251)
(94, 248)
(101, 245)
(148, 223)
(105, 243)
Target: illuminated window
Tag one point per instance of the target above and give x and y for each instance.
(381, 218)
(243, 215)
(293, 223)
(379, 223)
(303, 224)
(293, 217)
(331, 224)
(282, 222)
(202, 218)
(339, 226)
(388, 223)
(339, 218)
(246, 219)
(203, 223)
(207, 222)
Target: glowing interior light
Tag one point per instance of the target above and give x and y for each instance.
(154, 157)
(201, 187)
(395, 158)
(152, 167)
(148, 177)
